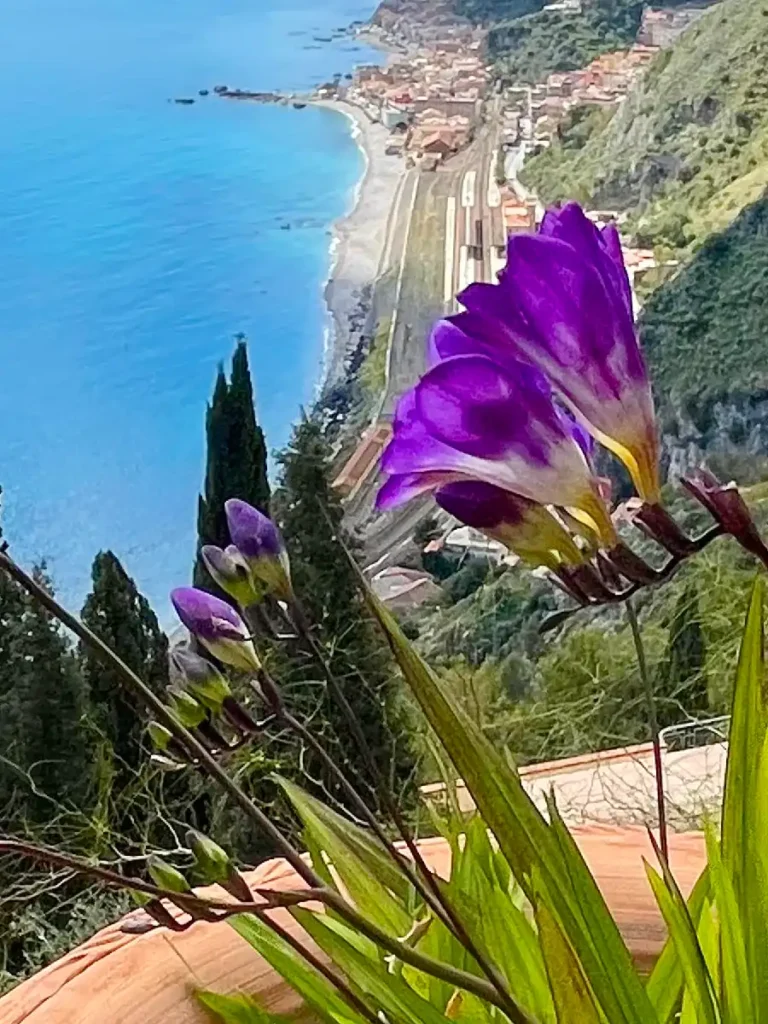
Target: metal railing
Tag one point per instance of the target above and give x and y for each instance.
(696, 733)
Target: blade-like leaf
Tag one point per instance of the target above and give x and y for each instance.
(314, 989)
(367, 872)
(525, 837)
(708, 932)
(699, 987)
(743, 839)
(573, 998)
(665, 982)
(736, 986)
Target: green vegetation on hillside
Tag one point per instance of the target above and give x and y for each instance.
(689, 147)
(706, 331)
(496, 10)
(527, 49)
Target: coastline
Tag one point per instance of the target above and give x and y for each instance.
(360, 236)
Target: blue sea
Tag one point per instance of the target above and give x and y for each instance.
(136, 238)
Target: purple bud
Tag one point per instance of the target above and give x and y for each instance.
(217, 626)
(260, 543)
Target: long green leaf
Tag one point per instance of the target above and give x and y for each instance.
(573, 998)
(314, 989)
(665, 982)
(525, 837)
(708, 933)
(365, 869)
(699, 986)
(388, 992)
(737, 988)
(743, 826)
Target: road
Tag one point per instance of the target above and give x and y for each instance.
(446, 231)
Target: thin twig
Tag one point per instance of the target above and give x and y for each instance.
(653, 720)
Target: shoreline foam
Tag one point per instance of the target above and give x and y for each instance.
(360, 236)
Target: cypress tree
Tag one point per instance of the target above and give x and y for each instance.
(310, 516)
(122, 618)
(236, 462)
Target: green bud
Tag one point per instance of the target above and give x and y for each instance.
(212, 862)
(200, 677)
(160, 736)
(166, 876)
(141, 899)
(188, 711)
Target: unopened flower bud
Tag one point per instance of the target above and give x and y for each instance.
(188, 711)
(231, 571)
(215, 865)
(212, 861)
(166, 876)
(160, 736)
(217, 626)
(201, 677)
(261, 545)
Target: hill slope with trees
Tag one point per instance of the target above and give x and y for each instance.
(686, 152)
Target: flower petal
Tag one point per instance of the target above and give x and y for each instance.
(471, 419)
(579, 332)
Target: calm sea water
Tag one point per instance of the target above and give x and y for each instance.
(136, 238)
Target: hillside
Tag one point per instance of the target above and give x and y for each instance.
(528, 48)
(687, 150)
(706, 335)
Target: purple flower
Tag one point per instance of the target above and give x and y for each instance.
(232, 573)
(469, 418)
(259, 542)
(217, 626)
(564, 303)
(525, 527)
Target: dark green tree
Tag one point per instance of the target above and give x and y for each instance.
(49, 706)
(310, 515)
(122, 618)
(683, 684)
(236, 462)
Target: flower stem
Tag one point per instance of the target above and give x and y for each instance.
(653, 721)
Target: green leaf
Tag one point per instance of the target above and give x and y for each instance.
(737, 989)
(371, 878)
(314, 989)
(708, 932)
(744, 826)
(388, 992)
(526, 839)
(665, 982)
(238, 1009)
(698, 981)
(573, 997)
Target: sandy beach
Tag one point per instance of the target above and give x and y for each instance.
(360, 237)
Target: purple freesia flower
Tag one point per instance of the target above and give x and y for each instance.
(564, 303)
(525, 527)
(261, 544)
(217, 626)
(470, 418)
